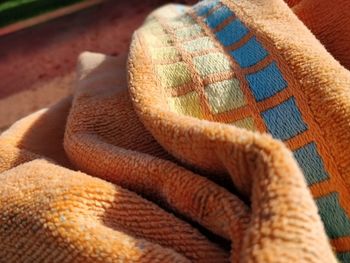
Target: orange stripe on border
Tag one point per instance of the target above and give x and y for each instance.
(233, 115)
(212, 10)
(299, 140)
(224, 23)
(241, 42)
(342, 244)
(326, 154)
(209, 79)
(321, 189)
(197, 84)
(273, 101)
(258, 66)
(254, 111)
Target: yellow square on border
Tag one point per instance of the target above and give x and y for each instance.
(173, 75)
(225, 95)
(189, 32)
(164, 53)
(188, 104)
(211, 63)
(246, 123)
(198, 44)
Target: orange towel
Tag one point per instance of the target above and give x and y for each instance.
(179, 168)
(329, 21)
(250, 64)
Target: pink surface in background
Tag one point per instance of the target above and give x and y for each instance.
(51, 49)
(37, 64)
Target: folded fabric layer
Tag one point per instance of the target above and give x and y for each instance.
(329, 21)
(105, 139)
(161, 162)
(50, 213)
(250, 64)
(66, 216)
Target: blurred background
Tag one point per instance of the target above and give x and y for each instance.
(40, 41)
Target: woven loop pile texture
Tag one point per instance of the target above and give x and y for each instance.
(220, 137)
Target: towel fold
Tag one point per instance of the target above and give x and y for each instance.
(220, 137)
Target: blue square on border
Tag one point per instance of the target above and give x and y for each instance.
(335, 219)
(202, 8)
(343, 257)
(311, 163)
(266, 82)
(232, 33)
(218, 16)
(250, 53)
(284, 121)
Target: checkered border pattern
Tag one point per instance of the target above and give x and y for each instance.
(214, 67)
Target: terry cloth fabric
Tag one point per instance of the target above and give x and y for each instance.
(178, 166)
(52, 213)
(293, 3)
(329, 21)
(255, 65)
